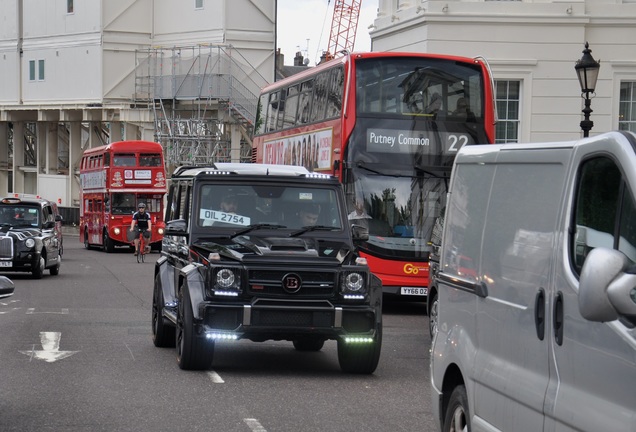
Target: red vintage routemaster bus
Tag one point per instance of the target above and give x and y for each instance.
(389, 125)
(114, 179)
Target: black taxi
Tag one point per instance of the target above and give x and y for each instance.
(30, 238)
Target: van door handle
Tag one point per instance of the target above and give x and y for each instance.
(539, 313)
(558, 318)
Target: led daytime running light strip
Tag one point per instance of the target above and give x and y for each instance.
(226, 293)
(353, 297)
(350, 339)
(221, 336)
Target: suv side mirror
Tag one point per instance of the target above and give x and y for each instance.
(176, 227)
(607, 286)
(359, 233)
(58, 218)
(48, 225)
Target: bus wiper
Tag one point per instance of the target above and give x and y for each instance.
(366, 168)
(256, 226)
(305, 229)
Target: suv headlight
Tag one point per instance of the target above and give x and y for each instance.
(29, 243)
(353, 283)
(226, 281)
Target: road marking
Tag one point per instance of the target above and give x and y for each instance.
(50, 348)
(215, 377)
(31, 311)
(254, 425)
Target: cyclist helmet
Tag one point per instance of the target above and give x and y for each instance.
(141, 205)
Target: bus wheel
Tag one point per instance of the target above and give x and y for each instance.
(109, 247)
(86, 245)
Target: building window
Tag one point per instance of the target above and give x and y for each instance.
(198, 4)
(508, 103)
(40, 70)
(31, 70)
(627, 106)
(69, 6)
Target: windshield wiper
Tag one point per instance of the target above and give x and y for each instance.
(256, 226)
(305, 229)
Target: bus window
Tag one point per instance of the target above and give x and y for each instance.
(291, 106)
(334, 101)
(125, 160)
(123, 203)
(321, 90)
(304, 104)
(149, 160)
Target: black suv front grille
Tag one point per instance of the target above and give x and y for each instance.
(313, 283)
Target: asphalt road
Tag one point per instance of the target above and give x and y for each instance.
(76, 355)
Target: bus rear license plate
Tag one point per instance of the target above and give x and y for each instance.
(6, 264)
(414, 291)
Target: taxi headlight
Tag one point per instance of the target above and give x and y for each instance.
(29, 242)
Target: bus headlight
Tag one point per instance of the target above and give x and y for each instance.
(29, 243)
(160, 231)
(117, 231)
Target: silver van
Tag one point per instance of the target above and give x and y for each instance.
(540, 334)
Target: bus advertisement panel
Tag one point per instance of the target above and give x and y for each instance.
(388, 125)
(114, 180)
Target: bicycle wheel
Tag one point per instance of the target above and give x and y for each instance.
(140, 251)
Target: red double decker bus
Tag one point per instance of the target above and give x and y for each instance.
(114, 179)
(388, 124)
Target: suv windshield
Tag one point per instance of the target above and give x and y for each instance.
(223, 205)
(19, 215)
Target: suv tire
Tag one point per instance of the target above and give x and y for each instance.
(360, 358)
(163, 335)
(194, 352)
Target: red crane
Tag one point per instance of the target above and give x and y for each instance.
(343, 26)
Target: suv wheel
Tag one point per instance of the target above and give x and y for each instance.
(194, 352)
(38, 269)
(360, 358)
(163, 335)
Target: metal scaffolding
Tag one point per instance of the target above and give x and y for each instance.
(203, 100)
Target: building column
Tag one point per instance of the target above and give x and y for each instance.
(130, 131)
(4, 158)
(235, 143)
(115, 131)
(18, 157)
(41, 159)
(74, 157)
(52, 163)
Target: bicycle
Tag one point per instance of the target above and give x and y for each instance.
(143, 247)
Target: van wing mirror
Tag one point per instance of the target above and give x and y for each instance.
(607, 286)
(6, 287)
(177, 227)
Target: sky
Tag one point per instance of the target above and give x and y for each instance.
(304, 25)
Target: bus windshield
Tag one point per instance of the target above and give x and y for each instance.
(413, 86)
(400, 214)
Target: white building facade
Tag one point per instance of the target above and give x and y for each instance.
(532, 47)
(71, 73)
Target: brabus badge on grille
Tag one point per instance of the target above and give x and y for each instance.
(291, 283)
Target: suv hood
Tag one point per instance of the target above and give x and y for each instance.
(242, 247)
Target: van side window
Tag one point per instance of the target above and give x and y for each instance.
(597, 204)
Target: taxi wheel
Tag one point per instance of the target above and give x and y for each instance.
(38, 270)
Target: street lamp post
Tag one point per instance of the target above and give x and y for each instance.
(587, 70)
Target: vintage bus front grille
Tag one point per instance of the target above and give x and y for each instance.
(6, 247)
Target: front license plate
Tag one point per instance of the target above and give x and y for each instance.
(6, 264)
(414, 291)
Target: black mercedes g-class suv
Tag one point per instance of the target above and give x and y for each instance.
(263, 252)
(30, 236)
